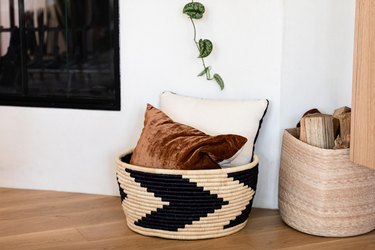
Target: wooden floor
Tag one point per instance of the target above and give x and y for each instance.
(56, 220)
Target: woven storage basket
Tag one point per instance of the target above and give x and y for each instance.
(186, 204)
(322, 193)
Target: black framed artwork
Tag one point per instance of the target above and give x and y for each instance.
(60, 53)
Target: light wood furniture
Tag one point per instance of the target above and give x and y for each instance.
(363, 100)
(56, 220)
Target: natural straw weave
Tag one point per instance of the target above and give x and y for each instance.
(322, 193)
(186, 204)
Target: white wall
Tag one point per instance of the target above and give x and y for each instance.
(318, 50)
(73, 150)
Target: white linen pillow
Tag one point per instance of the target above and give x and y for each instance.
(216, 117)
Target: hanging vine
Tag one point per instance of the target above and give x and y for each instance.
(195, 10)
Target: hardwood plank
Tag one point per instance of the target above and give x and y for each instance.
(47, 239)
(67, 205)
(97, 222)
(42, 210)
(142, 243)
(13, 197)
(104, 231)
(364, 242)
(59, 221)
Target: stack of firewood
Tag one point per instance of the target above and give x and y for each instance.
(326, 131)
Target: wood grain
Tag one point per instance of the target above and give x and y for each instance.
(32, 219)
(363, 102)
(318, 129)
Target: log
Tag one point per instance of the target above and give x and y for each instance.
(302, 133)
(336, 122)
(308, 112)
(301, 124)
(343, 115)
(345, 120)
(319, 130)
(341, 111)
(339, 144)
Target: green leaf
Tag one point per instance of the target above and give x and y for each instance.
(205, 48)
(219, 81)
(205, 71)
(194, 10)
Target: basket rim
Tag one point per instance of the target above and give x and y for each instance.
(289, 133)
(226, 170)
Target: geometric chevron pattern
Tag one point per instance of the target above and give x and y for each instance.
(123, 195)
(187, 203)
(249, 178)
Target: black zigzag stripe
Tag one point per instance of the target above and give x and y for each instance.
(123, 195)
(187, 201)
(249, 178)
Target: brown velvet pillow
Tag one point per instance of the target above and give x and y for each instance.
(171, 145)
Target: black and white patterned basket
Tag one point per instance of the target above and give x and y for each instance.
(186, 204)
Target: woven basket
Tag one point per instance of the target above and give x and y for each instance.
(186, 204)
(322, 193)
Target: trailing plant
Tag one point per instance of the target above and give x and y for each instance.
(195, 10)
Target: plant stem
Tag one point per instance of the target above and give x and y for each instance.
(197, 44)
